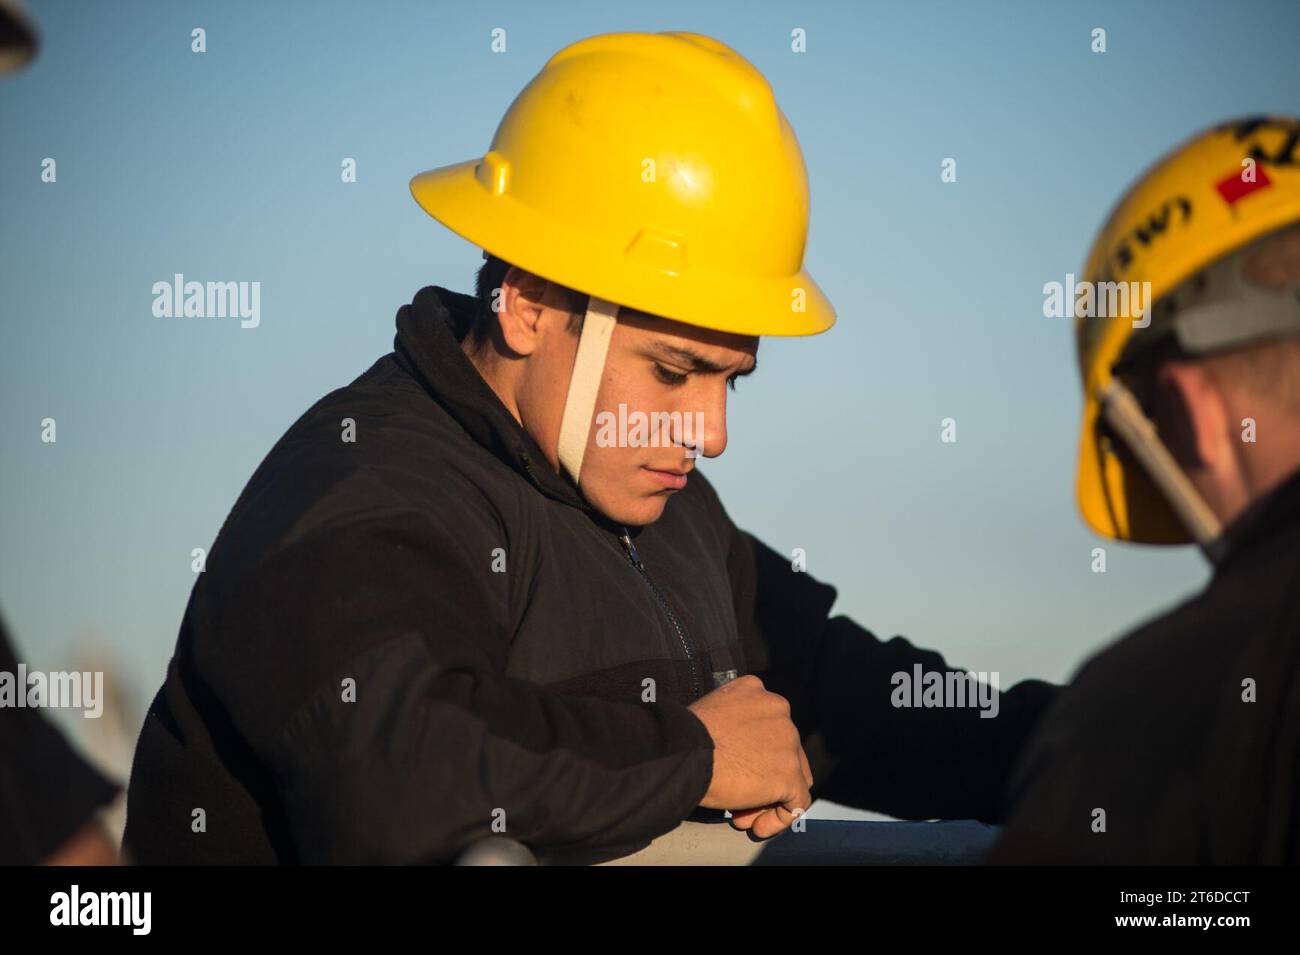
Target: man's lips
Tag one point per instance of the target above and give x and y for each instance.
(674, 478)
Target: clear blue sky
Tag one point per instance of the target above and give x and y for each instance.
(226, 166)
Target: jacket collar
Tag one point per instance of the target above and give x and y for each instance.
(1276, 511)
(427, 346)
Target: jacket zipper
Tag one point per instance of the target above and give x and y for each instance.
(635, 558)
(632, 555)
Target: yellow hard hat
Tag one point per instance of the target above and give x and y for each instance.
(652, 170)
(1222, 189)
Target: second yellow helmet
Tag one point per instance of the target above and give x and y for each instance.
(1221, 190)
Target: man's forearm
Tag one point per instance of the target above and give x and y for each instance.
(916, 752)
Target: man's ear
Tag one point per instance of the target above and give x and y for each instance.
(522, 305)
(1191, 416)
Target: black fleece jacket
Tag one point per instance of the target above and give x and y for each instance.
(1180, 743)
(410, 640)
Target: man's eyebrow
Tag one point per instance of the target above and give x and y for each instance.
(697, 362)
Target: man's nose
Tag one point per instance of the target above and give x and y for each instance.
(705, 428)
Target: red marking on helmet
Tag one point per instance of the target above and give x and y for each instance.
(1234, 187)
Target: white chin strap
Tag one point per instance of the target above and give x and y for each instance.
(1125, 415)
(584, 383)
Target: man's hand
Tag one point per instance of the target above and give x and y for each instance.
(760, 771)
(765, 821)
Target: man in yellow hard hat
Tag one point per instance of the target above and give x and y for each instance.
(483, 591)
(1181, 743)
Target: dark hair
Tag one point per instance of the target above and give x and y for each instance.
(490, 276)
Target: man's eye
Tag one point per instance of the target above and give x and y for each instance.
(668, 377)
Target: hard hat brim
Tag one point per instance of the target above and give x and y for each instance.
(496, 222)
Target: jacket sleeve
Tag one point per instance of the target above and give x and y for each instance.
(865, 752)
(366, 668)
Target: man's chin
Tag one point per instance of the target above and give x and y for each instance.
(636, 513)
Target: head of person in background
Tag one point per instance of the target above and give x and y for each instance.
(1188, 327)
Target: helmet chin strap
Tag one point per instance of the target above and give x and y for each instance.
(1125, 415)
(584, 383)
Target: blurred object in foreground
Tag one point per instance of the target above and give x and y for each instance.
(49, 796)
(18, 42)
